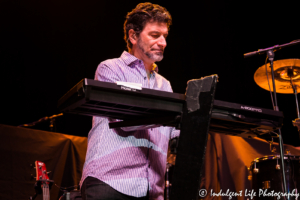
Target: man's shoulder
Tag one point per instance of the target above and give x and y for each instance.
(110, 70)
(113, 62)
(123, 61)
(114, 65)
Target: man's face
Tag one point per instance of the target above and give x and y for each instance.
(152, 40)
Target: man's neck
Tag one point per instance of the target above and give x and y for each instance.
(147, 62)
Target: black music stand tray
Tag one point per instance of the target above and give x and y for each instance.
(193, 138)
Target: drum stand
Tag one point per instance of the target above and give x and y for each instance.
(271, 55)
(296, 122)
(296, 98)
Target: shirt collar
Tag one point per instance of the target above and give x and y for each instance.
(129, 59)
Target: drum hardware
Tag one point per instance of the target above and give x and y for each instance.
(269, 176)
(273, 150)
(71, 195)
(266, 185)
(283, 73)
(255, 170)
(287, 79)
(296, 123)
(277, 166)
(294, 86)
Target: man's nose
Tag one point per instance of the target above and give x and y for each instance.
(162, 41)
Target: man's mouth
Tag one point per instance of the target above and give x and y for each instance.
(158, 50)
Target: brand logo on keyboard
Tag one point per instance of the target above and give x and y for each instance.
(128, 89)
(251, 109)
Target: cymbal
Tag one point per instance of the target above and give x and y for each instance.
(284, 71)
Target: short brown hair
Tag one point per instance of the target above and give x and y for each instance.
(140, 15)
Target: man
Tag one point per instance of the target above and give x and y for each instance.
(131, 165)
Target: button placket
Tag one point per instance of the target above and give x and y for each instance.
(152, 81)
(143, 73)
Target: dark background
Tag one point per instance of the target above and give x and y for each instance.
(48, 46)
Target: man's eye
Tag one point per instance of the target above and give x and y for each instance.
(155, 36)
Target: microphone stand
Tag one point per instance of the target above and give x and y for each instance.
(294, 86)
(51, 118)
(274, 48)
(271, 54)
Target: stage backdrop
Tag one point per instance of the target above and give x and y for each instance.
(49, 46)
(19, 147)
(226, 162)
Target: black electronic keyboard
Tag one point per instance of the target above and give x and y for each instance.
(156, 108)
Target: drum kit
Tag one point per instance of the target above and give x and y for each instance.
(266, 172)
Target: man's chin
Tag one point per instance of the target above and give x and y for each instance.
(156, 57)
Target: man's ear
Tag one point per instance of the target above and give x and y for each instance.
(132, 36)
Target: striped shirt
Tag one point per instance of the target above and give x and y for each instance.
(130, 162)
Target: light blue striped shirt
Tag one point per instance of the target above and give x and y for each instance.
(130, 162)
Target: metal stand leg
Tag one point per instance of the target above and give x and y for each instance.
(271, 56)
(295, 92)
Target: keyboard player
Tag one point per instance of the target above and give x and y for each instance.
(131, 165)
